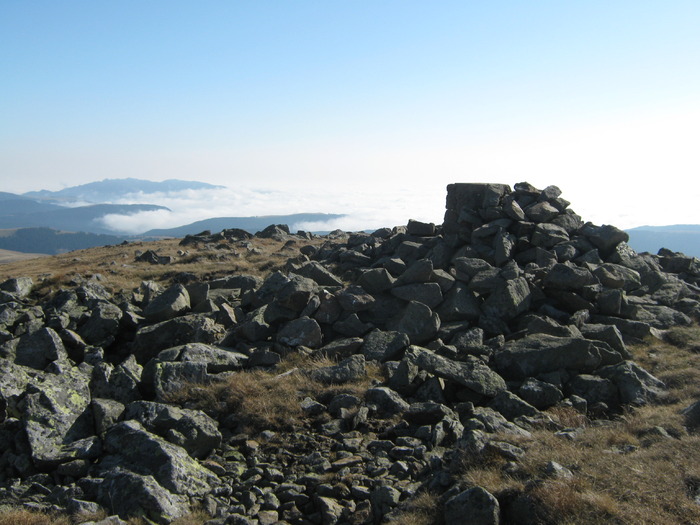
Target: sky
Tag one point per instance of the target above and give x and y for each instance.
(366, 108)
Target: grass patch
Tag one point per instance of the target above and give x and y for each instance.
(269, 400)
(641, 468)
(120, 271)
(31, 517)
(420, 510)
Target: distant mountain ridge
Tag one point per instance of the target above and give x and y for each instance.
(110, 189)
(249, 224)
(684, 238)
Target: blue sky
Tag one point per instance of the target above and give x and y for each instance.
(351, 105)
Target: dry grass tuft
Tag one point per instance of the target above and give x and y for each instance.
(266, 400)
(30, 517)
(421, 510)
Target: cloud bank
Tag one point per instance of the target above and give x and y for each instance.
(363, 209)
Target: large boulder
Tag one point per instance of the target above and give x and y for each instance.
(172, 302)
(475, 506)
(130, 446)
(128, 495)
(417, 321)
(192, 328)
(58, 420)
(193, 430)
(471, 373)
(537, 354)
(39, 348)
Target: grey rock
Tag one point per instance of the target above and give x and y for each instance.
(468, 267)
(384, 346)
(547, 235)
(19, 287)
(607, 333)
(102, 325)
(131, 446)
(508, 299)
(39, 348)
(301, 332)
(480, 506)
(384, 498)
(193, 430)
(511, 406)
(387, 401)
(692, 416)
(192, 328)
(594, 389)
(471, 373)
(129, 494)
(319, 273)
(171, 303)
(418, 272)
(429, 294)
(352, 326)
(568, 277)
(57, 418)
(217, 359)
(376, 280)
(119, 383)
(350, 369)
(354, 299)
(342, 348)
(541, 212)
(254, 327)
(459, 304)
(635, 385)
(417, 321)
(296, 293)
(105, 412)
(539, 394)
(420, 229)
(604, 237)
(537, 354)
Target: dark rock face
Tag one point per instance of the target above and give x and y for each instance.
(460, 334)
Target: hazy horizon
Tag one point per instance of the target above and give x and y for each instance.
(363, 108)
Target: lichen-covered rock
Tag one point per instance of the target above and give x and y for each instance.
(56, 415)
(193, 430)
(128, 495)
(130, 446)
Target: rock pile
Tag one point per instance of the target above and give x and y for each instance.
(511, 306)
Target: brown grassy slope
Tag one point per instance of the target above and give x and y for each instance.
(119, 271)
(641, 468)
(8, 256)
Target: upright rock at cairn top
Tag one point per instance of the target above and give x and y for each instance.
(472, 204)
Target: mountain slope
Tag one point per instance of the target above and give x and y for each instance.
(79, 219)
(48, 241)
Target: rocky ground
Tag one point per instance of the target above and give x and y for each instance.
(465, 372)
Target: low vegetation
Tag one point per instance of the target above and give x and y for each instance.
(641, 468)
(269, 400)
(117, 269)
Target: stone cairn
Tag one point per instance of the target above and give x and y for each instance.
(511, 306)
